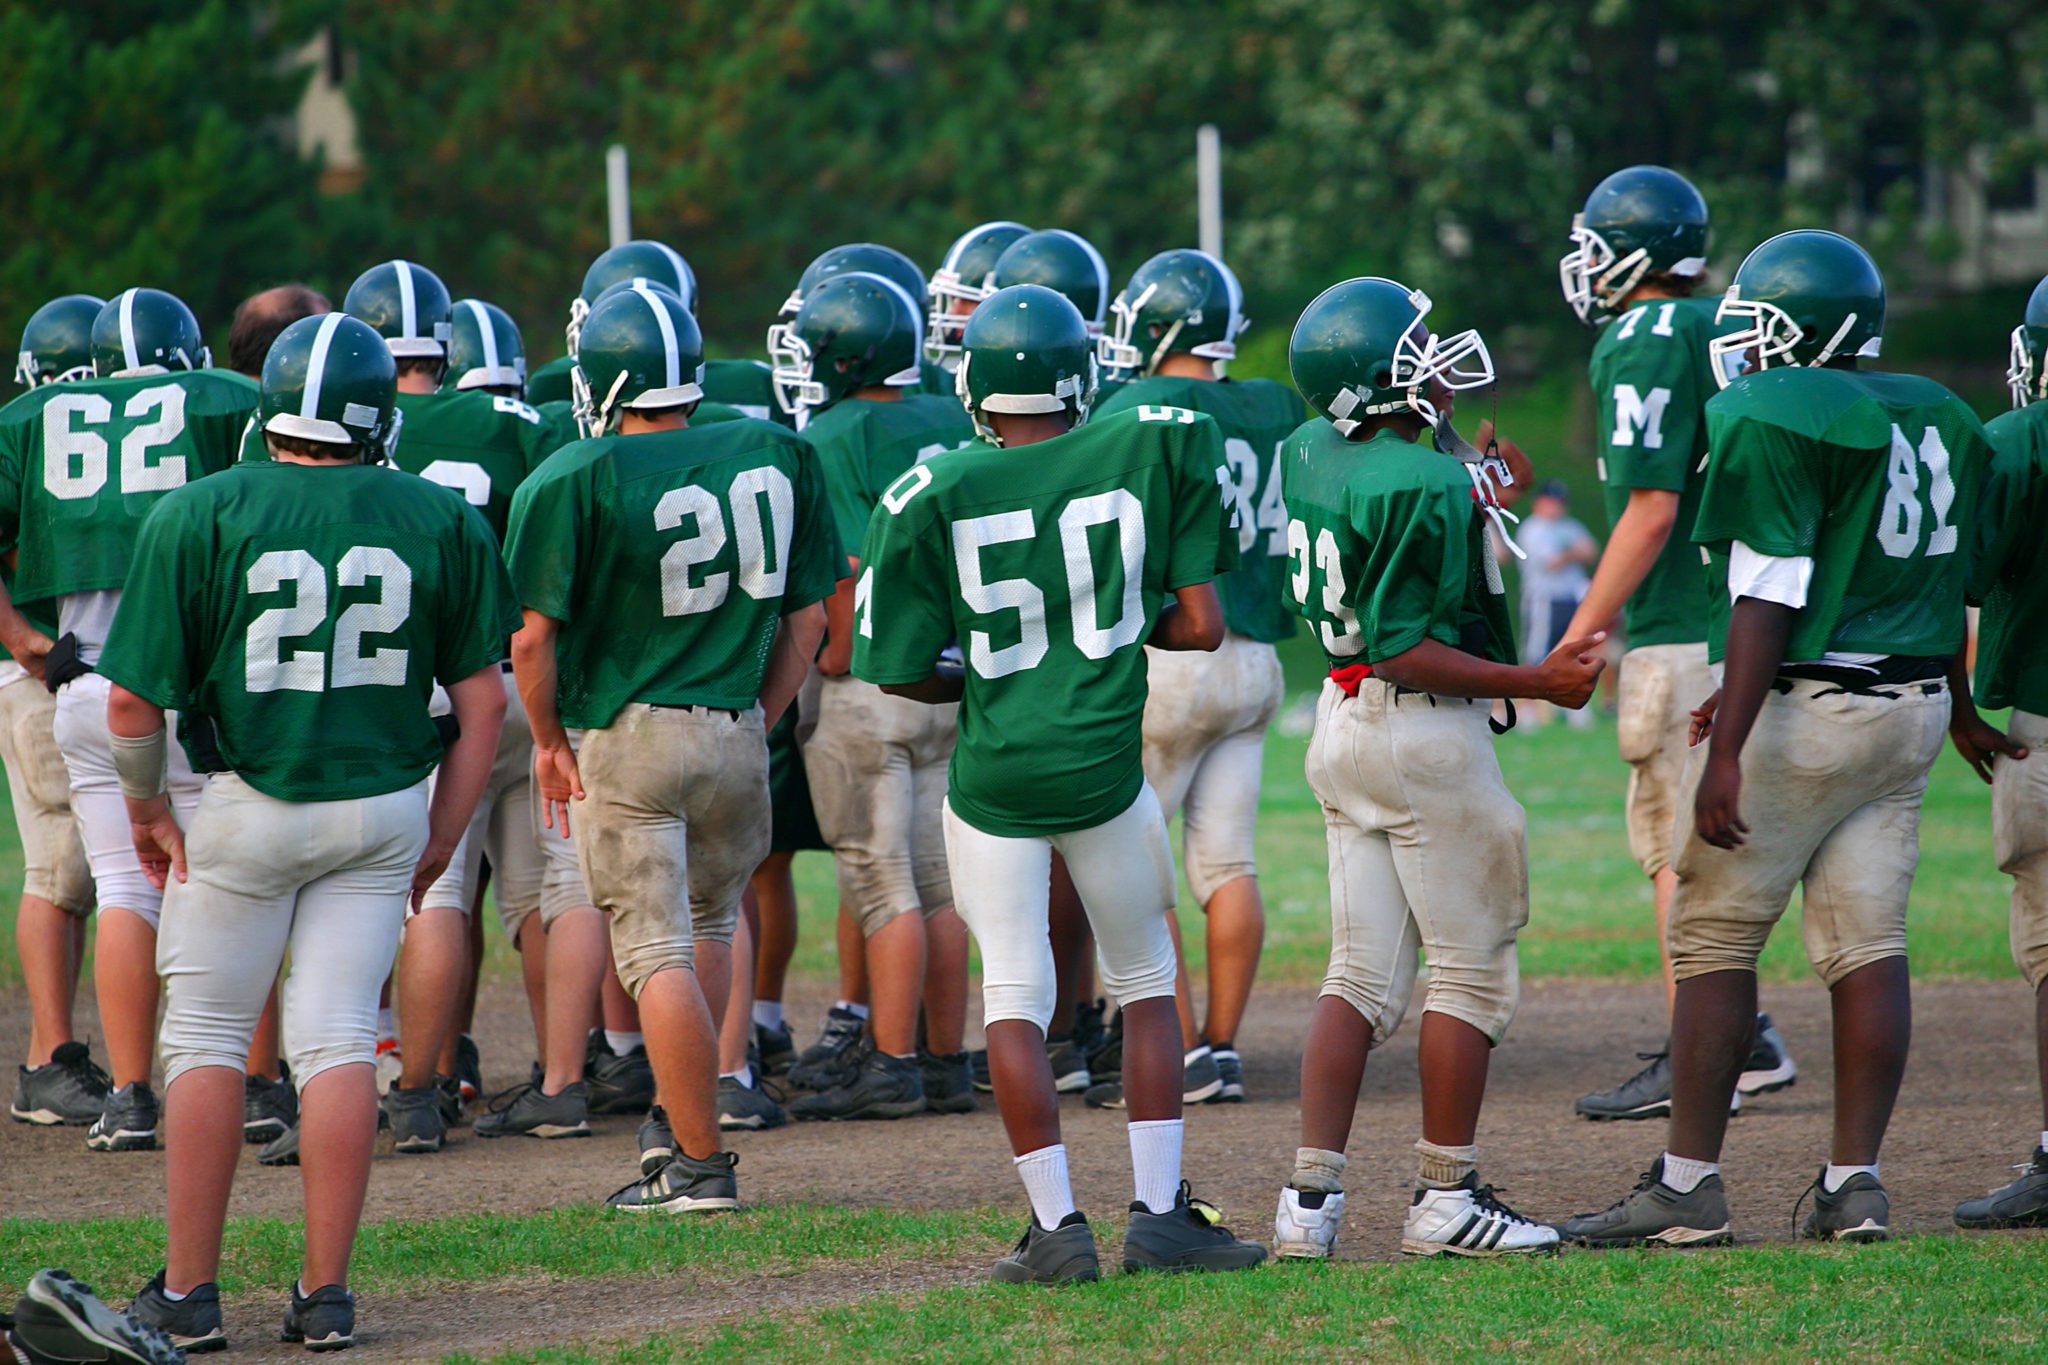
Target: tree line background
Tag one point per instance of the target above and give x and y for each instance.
(146, 142)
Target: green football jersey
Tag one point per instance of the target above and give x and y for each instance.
(865, 446)
(1049, 564)
(479, 444)
(1386, 548)
(670, 558)
(299, 617)
(1873, 477)
(2009, 564)
(1652, 377)
(743, 385)
(1256, 417)
(936, 380)
(550, 383)
(81, 465)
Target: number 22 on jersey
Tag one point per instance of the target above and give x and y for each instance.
(267, 667)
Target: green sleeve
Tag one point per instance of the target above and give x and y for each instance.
(478, 613)
(153, 648)
(1203, 519)
(1650, 413)
(903, 618)
(541, 548)
(817, 560)
(1414, 573)
(1763, 488)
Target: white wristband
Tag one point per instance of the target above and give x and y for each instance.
(140, 764)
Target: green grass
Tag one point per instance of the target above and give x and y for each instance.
(1922, 1298)
(577, 1242)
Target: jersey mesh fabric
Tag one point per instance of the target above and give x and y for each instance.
(1256, 416)
(865, 446)
(299, 616)
(2009, 567)
(479, 444)
(1874, 477)
(1388, 549)
(1049, 564)
(670, 557)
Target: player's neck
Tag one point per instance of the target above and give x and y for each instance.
(1648, 292)
(1029, 428)
(418, 381)
(1185, 365)
(878, 393)
(633, 423)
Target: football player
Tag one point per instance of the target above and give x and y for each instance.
(1638, 253)
(671, 577)
(656, 262)
(81, 464)
(1837, 511)
(875, 259)
(1064, 262)
(1206, 714)
(961, 282)
(485, 351)
(877, 763)
(298, 612)
(1389, 562)
(57, 1081)
(1053, 568)
(2009, 577)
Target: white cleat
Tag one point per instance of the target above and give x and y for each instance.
(1305, 1229)
(1470, 1221)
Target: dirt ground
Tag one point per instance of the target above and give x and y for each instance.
(1969, 1109)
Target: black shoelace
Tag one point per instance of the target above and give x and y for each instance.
(1489, 1201)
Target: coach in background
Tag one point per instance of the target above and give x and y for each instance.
(262, 317)
(298, 612)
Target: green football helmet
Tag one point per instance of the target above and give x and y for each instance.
(1363, 348)
(57, 343)
(964, 277)
(330, 378)
(641, 259)
(1026, 349)
(1061, 260)
(1805, 297)
(2025, 375)
(485, 350)
(641, 349)
(871, 257)
(407, 304)
(1177, 301)
(853, 331)
(146, 331)
(1638, 220)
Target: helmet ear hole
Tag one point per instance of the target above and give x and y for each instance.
(1383, 379)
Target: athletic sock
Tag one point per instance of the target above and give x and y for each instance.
(1834, 1176)
(1318, 1168)
(856, 1010)
(1044, 1173)
(622, 1042)
(1443, 1168)
(745, 1075)
(1155, 1162)
(768, 1013)
(174, 1296)
(1684, 1174)
(2044, 1140)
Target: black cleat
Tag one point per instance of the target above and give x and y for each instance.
(948, 1083)
(1061, 1255)
(192, 1323)
(59, 1320)
(67, 1089)
(325, 1320)
(1189, 1236)
(2022, 1204)
(885, 1087)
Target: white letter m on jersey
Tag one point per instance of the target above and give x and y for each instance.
(1633, 413)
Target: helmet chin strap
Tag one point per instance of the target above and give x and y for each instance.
(1487, 470)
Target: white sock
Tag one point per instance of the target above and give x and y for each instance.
(386, 1026)
(1685, 1175)
(857, 1011)
(622, 1043)
(745, 1075)
(768, 1013)
(1044, 1173)
(1155, 1162)
(1831, 1179)
(2044, 1140)
(173, 1295)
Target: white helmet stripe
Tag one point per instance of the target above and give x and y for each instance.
(916, 313)
(1101, 273)
(671, 360)
(316, 364)
(486, 332)
(675, 263)
(961, 243)
(128, 354)
(408, 318)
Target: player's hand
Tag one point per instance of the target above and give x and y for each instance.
(1717, 810)
(159, 843)
(559, 781)
(434, 859)
(1979, 741)
(1702, 723)
(1567, 677)
(30, 647)
(1519, 467)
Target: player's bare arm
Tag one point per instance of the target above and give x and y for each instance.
(1757, 631)
(1639, 537)
(479, 702)
(136, 726)
(554, 762)
(1975, 738)
(836, 660)
(1566, 678)
(796, 641)
(1193, 620)
(943, 686)
(21, 639)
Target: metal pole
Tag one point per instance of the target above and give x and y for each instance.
(1209, 188)
(617, 195)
